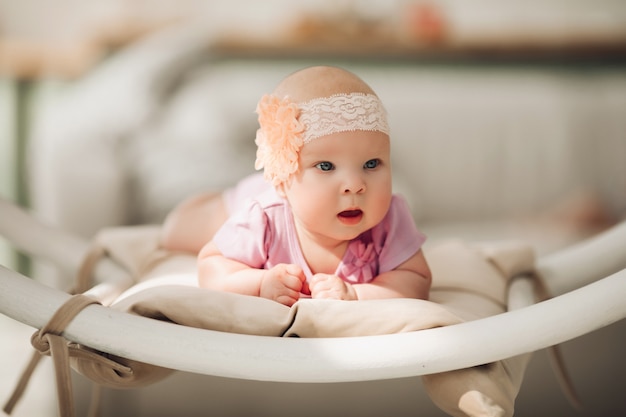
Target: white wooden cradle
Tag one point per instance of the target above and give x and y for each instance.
(588, 281)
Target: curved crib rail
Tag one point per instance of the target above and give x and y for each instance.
(584, 262)
(63, 249)
(565, 317)
(326, 359)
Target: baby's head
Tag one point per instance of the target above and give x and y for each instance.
(308, 104)
(321, 81)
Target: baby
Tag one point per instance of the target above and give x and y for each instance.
(322, 222)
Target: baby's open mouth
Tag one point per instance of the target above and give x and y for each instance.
(351, 216)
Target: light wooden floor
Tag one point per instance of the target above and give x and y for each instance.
(39, 399)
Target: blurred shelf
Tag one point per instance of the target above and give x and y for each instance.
(33, 58)
(525, 52)
(30, 59)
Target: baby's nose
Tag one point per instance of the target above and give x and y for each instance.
(356, 185)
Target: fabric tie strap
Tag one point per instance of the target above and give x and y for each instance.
(49, 341)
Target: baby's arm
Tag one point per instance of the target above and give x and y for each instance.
(282, 283)
(411, 279)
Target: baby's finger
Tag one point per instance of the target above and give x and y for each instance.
(292, 282)
(289, 298)
(305, 288)
(321, 278)
(319, 285)
(296, 271)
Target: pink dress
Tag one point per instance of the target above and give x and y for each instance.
(261, 233)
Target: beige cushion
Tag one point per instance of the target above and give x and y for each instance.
(469, 282)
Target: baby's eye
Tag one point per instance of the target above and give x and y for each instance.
(325, 166)
(371, 164)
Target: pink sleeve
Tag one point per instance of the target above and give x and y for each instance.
(399, 236)
(243, 236)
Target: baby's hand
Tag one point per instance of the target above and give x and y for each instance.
(283, 284)
(331, 287)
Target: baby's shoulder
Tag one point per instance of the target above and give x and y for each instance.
(269, 201)
(267, 208)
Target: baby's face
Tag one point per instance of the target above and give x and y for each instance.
(343, 186)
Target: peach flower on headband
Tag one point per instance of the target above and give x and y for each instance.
(279, 138)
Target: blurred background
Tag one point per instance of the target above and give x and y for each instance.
(508, 122)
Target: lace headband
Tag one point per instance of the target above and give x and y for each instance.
(286, 126)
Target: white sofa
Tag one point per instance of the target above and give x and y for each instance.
(482, 152)
(471, 143)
